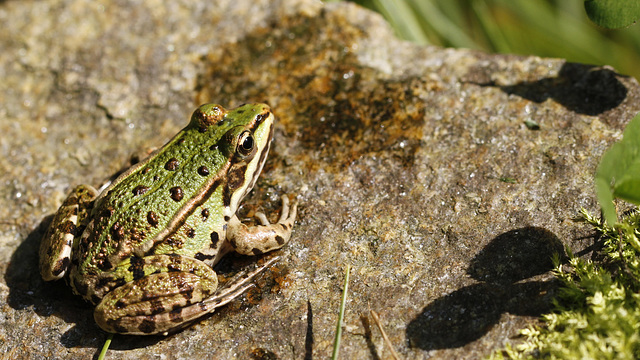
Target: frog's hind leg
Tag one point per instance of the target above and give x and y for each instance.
(168, 292)
(55, 246)
(232, 289)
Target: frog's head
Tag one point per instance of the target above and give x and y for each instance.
(245, 145)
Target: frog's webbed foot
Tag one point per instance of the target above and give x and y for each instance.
(179, 291)
(237, 285)
(55, 246)
(259, 239)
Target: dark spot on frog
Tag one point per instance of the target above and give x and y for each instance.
(146, 170)
(104, 263)
(136, 235)
(180, 141)
(137, 267)
(119, 304)
(176, 193)
(156, 306)
(205, 214)
(280, 240)
(68, 227)
(235, 177)
(203, 306)
(155, 177)
(61, 265)
(215, 238)
(174, 242)
(203, 171)
(176, 315)
(213, 147)
(139, 190)
(172, 164)
(202, 257)
(152, 218)
(172, 268)
(147, 325)
(226, 196)
(191, 233)
(117, 232)
(74, 211)
(257, 251)
(106, 213)
(188, 294)
(261, 117)
(114, 324)
(227, 218)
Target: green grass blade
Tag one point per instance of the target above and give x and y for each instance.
(105, 347)
(450, 32)
(336, 342)
(403, 19)
(491, 28)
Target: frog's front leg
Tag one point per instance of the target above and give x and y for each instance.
(263, 238)
(55, 246)
(165, 293)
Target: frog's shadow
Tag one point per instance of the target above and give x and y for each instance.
(507, 271)
(28, 290)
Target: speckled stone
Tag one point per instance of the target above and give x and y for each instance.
(446, 178)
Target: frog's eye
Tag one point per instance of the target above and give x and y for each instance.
(246, 145)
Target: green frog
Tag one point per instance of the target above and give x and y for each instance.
(142, 249)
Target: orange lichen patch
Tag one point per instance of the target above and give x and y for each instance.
(338, 114)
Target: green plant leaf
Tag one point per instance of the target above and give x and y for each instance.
(618, 174)
(613, 14)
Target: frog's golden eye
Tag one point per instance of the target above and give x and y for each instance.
(246, 145)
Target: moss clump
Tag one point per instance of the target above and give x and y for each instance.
(597, 310)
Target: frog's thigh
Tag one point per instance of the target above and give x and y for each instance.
(259, 239)
(158, 302)
(55, 246)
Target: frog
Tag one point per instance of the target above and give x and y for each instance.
(142, 250)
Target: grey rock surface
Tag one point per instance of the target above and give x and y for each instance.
(421, 167)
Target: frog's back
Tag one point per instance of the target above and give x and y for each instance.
(162, 202)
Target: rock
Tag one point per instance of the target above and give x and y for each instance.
(446, 178)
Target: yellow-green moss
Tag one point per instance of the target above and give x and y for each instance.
(597, 311)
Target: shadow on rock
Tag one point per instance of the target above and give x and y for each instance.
(584, 89)
(27, 289)
(470, 312)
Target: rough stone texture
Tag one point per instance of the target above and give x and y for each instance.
(412, 164)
